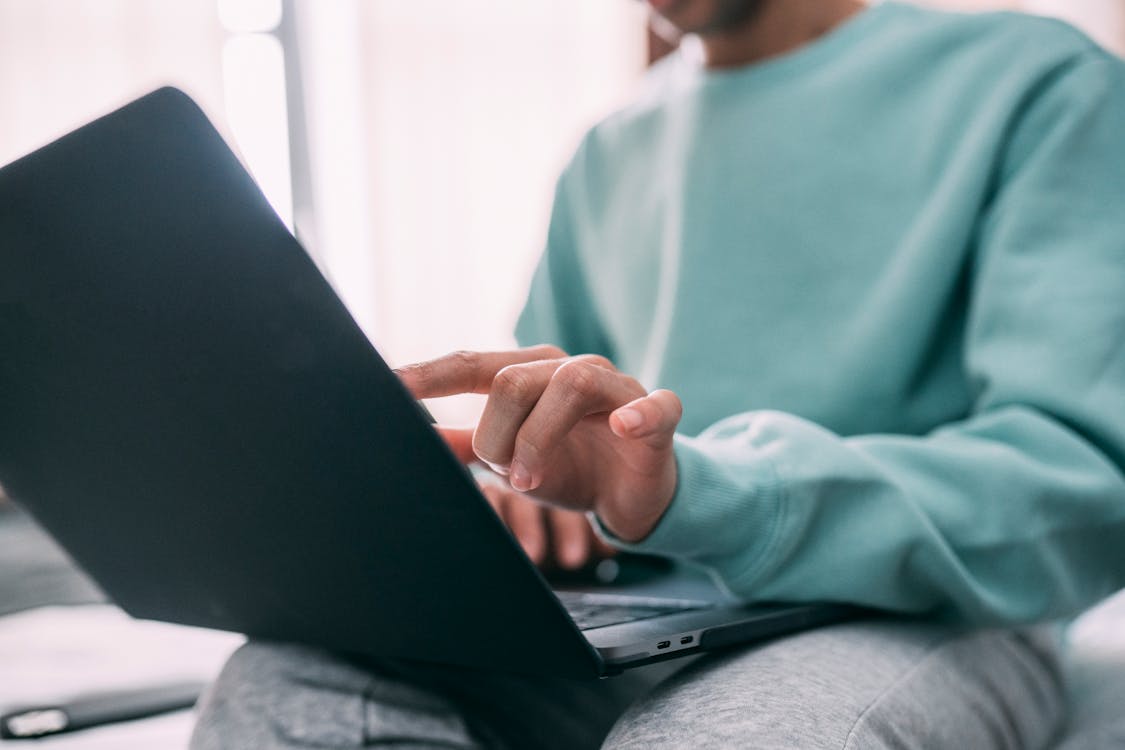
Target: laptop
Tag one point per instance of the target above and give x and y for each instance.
(190, 410)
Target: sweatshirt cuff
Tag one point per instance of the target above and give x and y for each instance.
(723, 513)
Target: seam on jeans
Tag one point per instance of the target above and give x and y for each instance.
(933, 649)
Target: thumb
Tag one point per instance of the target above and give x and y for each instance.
(460, 441)
(652, 418)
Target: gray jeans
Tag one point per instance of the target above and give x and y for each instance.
(860, 685)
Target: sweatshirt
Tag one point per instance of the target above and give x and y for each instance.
(885, 273)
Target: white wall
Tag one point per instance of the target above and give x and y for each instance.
(441, 127)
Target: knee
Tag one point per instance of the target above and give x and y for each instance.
(260, 673)
(265, 692)
(256, 662)
(871, 685)
(731, 700)
(987, 689)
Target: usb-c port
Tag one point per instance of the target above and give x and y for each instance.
(687, 639)
(664, 644)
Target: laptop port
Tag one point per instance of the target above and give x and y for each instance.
(687, 639)
(664, 644)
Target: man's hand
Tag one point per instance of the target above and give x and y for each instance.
(570, 431)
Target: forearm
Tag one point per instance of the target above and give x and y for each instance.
(1007, 517)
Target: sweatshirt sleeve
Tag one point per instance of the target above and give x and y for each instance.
(1016, 513)
(559, 308)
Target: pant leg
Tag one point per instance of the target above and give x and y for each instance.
(288, 697)
(867, 685)
(860, 686)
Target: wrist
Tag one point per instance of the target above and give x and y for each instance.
(632, 516)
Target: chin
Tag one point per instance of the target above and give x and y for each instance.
(704, 16)
(687, 16)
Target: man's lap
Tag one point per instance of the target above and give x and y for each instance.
(860, 685)
(866, 685)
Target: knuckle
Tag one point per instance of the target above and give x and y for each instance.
(512, 382)
(634, 385)
(598, 361)
(463, 358)
(579, 378)
(463, 361)
(548, 351)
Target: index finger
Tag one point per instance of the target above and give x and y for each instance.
(467, 372)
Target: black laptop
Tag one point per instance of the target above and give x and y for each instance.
(187, 406)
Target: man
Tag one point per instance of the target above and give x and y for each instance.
(868, 268)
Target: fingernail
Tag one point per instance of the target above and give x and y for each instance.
(631, 419)
(499, 469)
(519, 477)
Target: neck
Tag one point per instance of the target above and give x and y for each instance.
(778, 27)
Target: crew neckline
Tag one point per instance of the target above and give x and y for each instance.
(816, 52)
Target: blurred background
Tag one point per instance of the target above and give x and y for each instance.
(412, 144)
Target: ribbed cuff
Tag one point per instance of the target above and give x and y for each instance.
(726, 511)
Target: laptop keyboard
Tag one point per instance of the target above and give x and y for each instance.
(591, 611)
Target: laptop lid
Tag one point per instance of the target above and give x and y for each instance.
(187, 406)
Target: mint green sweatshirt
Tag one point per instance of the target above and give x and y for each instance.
(886, 275)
